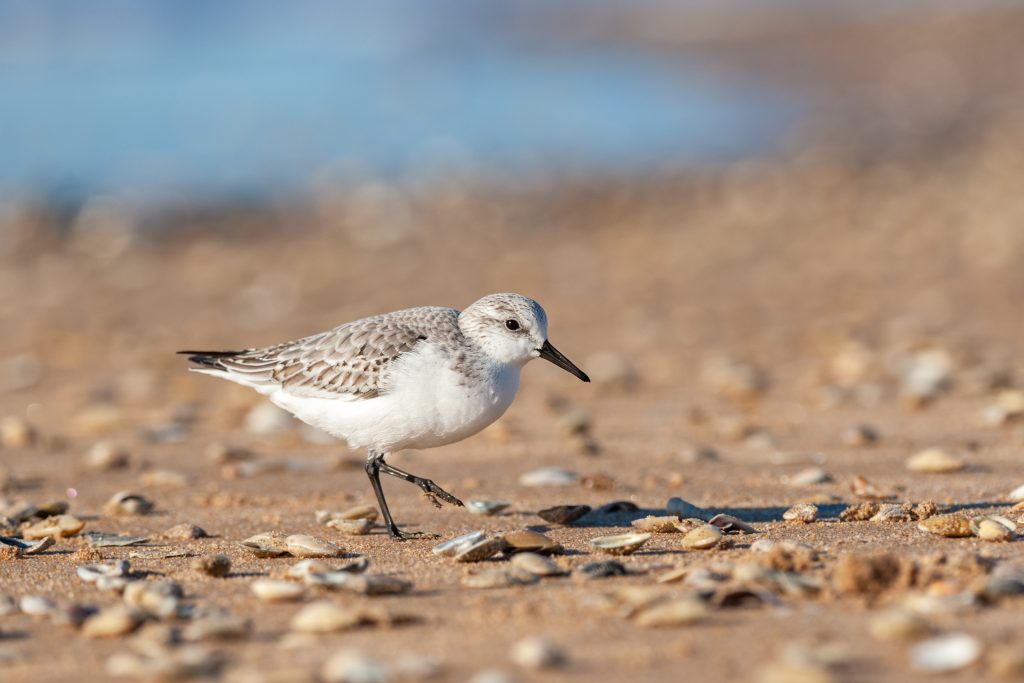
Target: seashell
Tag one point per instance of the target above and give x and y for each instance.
(549, 476)
(267, 544)
(801, 513)
(358, 512)
(934, 461)
(682, 509)
(37, 547)
(950, 526)
(537, 653)
(352, 527)
(91, 573)
(538, 565)
(678, 612)
(673, 575)
(950, 652)
(620, 544)
(326, 617)
(363, 584)
(486, 507)
(808, 477)
(526, 541)
(702, 537)
(304, 545)
(37, 606)
(728, 523)
(894, 513)
(993, 528)
(212, 565)
(111, 622)
(452, 547)
(160, 598)
(499, 578)
(270, 590)
(57, 527)
(100, 539)
(104, 455)
(481, 550)
(658, 525)
(563, 514)
(1017, 495)
(302, 569)
(127, 503)
(603, 569)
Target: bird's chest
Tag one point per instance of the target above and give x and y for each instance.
(454, 397)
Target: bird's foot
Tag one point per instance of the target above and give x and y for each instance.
(433, 492)
(400, 535)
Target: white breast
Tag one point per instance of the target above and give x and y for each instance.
(426, 403)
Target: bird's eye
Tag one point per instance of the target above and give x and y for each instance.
(512, 325)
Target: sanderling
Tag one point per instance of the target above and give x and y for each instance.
(417, 378)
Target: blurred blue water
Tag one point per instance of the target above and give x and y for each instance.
(158, 97)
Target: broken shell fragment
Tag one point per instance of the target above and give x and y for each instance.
(267, 544)
(563, 514)
(801, 513)
(92, 573)
(950, 526)
(620, 544)
(728, 523)
(305, 545)
(659, 525)
(454, 546)
(56, 527)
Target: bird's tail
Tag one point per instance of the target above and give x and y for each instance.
(210, 359)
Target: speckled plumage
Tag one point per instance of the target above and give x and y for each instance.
(416, 378)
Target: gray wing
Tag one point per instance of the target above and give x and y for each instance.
(346, 362)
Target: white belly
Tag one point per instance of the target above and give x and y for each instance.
(426, 403)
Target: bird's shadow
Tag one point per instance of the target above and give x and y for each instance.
(762, 514)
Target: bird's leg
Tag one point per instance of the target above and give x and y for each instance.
(428, 486)
(374, 464)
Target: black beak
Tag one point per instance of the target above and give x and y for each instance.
(549, 352)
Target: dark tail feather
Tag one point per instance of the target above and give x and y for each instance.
(209, 358)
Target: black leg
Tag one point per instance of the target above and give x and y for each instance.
(374, 464)
(432, 490)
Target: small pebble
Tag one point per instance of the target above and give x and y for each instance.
(105, 455)
(111, 622)
(351, 527)
(212, 565)
(538, 565)
(807, 477)
(603, 569)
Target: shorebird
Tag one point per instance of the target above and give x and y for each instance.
(416, 378)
